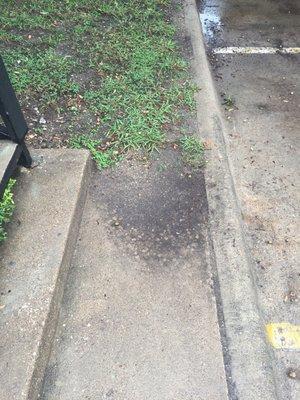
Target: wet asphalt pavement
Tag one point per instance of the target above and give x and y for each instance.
(260, 98)
(250, 22)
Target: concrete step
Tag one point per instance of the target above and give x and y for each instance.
(34, 263)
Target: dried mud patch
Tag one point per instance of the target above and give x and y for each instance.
(158, 208)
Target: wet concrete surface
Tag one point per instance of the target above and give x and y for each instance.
(162, 210)
(263, 122)
(138, 319)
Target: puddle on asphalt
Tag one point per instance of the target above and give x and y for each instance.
(210, 22)
(210, 19)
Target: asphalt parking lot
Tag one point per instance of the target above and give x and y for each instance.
(253, 47)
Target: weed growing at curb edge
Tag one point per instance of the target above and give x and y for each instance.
(6, 208)
(107, 76)
(228, 101)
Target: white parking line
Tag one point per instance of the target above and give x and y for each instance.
(256, 50)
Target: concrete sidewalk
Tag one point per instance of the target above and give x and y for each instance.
(138, 318)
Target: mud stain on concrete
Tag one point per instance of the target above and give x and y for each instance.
(157, 208)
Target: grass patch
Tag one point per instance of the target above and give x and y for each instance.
(109, 69)
(6, 209)
(104, 157)
(192, 151)
(42, 74)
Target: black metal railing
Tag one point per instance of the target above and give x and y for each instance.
(13, 128)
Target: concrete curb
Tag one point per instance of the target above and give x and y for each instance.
(57, 294)
(35, 263)
(247, 357)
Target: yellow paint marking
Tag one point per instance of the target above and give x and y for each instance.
(283, 335)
